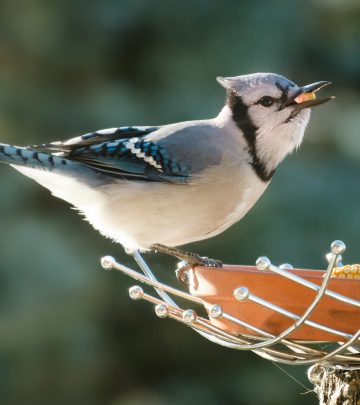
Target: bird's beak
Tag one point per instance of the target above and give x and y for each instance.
(305, 96)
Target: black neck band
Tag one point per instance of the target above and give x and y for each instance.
(243, 121)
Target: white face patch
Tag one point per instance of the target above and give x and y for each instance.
(275, 137)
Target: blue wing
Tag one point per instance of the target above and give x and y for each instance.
(123, 153)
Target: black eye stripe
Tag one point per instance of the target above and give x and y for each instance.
(284, 92)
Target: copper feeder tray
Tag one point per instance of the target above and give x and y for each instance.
(217, 286)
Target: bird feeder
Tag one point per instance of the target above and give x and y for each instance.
(280, 313)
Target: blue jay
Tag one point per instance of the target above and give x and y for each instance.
(158, 187)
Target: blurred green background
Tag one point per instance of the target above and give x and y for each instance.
(68, 332)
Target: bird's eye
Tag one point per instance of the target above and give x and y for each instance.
(266, 101)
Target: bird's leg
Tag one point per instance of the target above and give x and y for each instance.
(191, 258)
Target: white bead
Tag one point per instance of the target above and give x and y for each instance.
(338, 247)
(286, 266)
(136, 292)
(189, 316)
(241, 293)
(161, 310)
(263, 263)
(108, 262)
(215, 311)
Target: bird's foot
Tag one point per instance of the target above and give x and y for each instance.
(182, 272)
(192, 259)
(206, 262)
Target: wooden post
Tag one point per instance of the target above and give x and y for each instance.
(335, 387)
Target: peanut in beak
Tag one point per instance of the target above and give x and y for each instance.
(301, 98)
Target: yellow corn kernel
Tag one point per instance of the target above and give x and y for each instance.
(349, 271)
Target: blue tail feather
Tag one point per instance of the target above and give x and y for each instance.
(26, 157)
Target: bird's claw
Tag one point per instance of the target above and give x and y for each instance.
(182, 272)
(206, 262)
(196, 260)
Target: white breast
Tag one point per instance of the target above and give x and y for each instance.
(140, 214)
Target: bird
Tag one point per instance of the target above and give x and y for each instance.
(155, 188)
